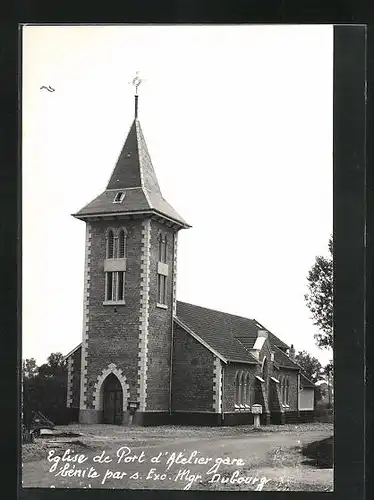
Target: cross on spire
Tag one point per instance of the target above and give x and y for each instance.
(136, 81)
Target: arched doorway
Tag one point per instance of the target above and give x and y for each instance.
(112, 400)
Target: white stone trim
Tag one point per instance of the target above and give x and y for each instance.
(144, 313)
(97, 396)
(86, 309)
(174, 284)
(217, 385)
(69, 397)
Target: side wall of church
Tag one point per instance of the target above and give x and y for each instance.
(193, 374)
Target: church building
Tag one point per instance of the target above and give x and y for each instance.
(147, 358)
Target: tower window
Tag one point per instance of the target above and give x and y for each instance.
(121, 286)
(110, 245)
(121, 244)
(162, 270)
(162, 248)
(114, 268)
(119, 197)
(161, 289)
(109, 286)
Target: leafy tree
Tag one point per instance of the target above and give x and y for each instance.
(46, 391)
(312, 369)
(29, 368)
(319, 298)
(310, 366)
(55, 367)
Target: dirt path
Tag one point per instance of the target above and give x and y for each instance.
(181, 463)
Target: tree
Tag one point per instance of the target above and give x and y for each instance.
(329, 376)
(319, 298)
(46, 390)
(312, 369)
(55, 367)
(310, 366)
(29, 368)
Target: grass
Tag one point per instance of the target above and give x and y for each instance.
(320, 453)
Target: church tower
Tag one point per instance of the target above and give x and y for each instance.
(129, 293)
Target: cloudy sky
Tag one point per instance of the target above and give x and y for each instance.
(238, 122)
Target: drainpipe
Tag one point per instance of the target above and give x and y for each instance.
(172, 323)
(222, 395)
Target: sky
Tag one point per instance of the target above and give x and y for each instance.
(238, 123)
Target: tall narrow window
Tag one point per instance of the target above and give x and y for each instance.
(160, 243)
(287, 391)
(121, 286)
(164, 249)
(281, 380)
(109, 286)
(110, 245)
(244, 392)
(248, 390)
(162, 270)
(114, 268)
(237, 390)
(121, 244)
(161, 289)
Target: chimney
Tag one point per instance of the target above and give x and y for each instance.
(292, 353)
(262, 334)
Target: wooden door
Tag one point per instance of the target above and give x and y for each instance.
(112, 401)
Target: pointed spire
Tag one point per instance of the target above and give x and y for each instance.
(134, 178)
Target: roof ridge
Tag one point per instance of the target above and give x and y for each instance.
(216, 310)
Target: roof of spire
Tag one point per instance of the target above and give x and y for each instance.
(134, 176)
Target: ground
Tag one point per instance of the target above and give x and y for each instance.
(175, 457)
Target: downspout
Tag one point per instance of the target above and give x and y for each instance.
(222, 395)
(172, 322)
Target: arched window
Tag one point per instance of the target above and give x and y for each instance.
(287, 391)
(110, 245)
(121, 244)
(238, 389)
(162, 274)
(160, 247)
(244, 391)
(281, 380)
(164, 250)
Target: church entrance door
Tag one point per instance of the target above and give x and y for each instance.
(112, 401)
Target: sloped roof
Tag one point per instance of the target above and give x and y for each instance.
(305, 382)
(283, 360)
(230, 335)
(134, 175)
